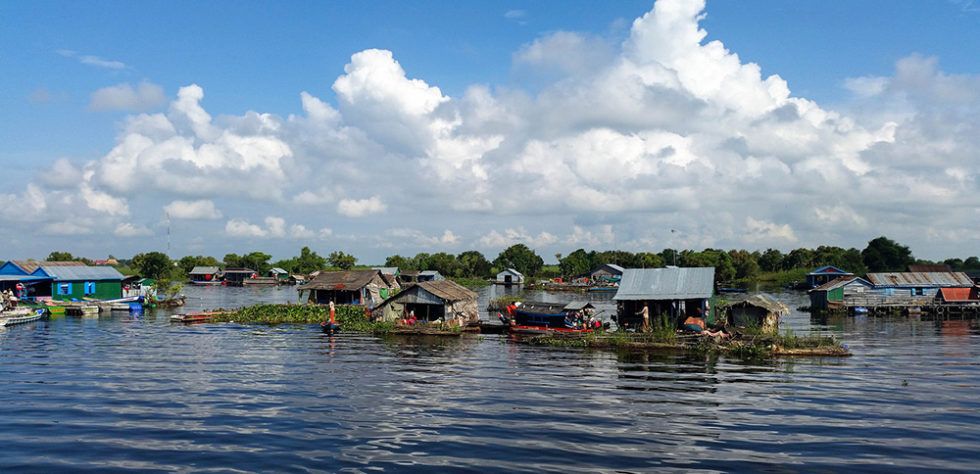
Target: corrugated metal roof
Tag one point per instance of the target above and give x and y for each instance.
(73, 273)
(350, 280)
(22, 278)
(203, 271)
(278, 271)
(30, 266)
(841, 281)
(666, 284)
(957, 294)
(616, 267)
(387, 270)
(914, 279)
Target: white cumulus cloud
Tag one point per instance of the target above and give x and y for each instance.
(361, 207)
(199, 209)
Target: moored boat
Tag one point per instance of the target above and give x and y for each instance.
(21, 316)
(549, 318)
(198, 317)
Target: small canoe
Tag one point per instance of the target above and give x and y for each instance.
(11, 318)
(330, 328)
(200, 317)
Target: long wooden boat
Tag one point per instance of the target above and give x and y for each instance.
(198, 317)
(541, 330)
(25, 315)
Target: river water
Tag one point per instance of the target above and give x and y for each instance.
(123, 393)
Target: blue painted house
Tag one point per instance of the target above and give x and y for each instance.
(60, 280)
(824, 275)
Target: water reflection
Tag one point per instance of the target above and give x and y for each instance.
(118, 393)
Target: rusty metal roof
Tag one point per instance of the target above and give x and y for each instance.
(917, 279)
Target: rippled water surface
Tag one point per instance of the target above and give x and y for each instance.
(124, 393)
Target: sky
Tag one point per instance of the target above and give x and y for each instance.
(389, 127)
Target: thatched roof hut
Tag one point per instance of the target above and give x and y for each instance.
(759, 311)
(440, 300)
(356, 287)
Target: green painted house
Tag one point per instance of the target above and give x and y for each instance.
(84, 282)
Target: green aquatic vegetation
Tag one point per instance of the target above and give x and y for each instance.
(350, 318)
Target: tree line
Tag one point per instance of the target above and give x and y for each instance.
(880, 255)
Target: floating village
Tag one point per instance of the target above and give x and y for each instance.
(655, 308)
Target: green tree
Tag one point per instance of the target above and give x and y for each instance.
(232, 260)
(60, 257)
(575, 264)
(258, 261)
(971, 263)
(771, 260)
(400, 262)
(649, 260)
(798, 258)
(745, 262)
(154, 265)
(473, 264)
(188, 263)
(309, 261)
(444, 263)
(420, 261)
(883, 255)
(341, 260)
(520, 258)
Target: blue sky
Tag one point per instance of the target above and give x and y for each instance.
(251, 56)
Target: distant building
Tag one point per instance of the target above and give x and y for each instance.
(430, 275)
(825, 274)
(510, 277)
(237, 276)
(672, 292)
(202, 275)
(279, 274)
(607, 272)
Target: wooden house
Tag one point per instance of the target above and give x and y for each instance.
(352, 287)
(440, 300)
(673, 292)
(825, 274)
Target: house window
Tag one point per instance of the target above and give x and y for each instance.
(64, 288)
(90, 288)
